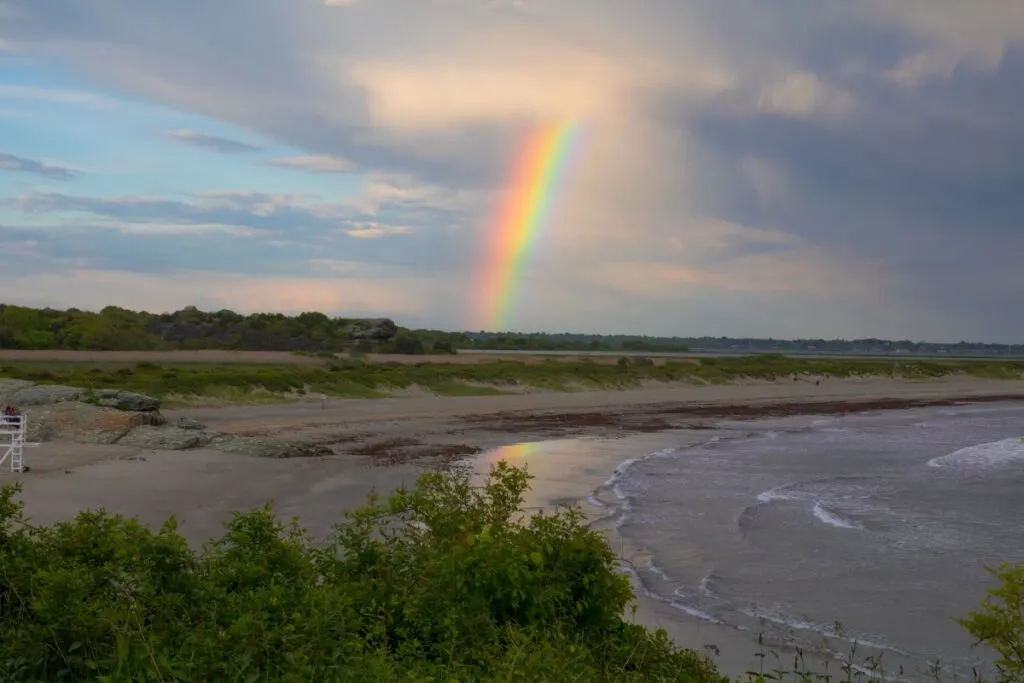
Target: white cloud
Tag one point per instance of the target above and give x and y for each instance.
(376, 231)
(314, 163)
(86, 288)
(803, 94)
(61, 96)
(381, 189)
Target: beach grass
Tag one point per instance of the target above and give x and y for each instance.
(354, 378)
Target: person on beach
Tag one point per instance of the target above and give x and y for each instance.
(11, 414)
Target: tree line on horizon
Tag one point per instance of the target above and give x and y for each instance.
(119, 329)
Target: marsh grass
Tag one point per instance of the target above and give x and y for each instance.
(356, 378)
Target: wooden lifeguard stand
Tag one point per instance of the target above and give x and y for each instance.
(12, 441)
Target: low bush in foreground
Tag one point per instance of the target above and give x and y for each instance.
(444, 582)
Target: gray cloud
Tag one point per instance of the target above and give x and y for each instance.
(262, 230)
(11, 162)
(877, 143)
(212, 142)
(313, 163)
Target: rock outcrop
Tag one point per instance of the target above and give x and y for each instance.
(265, 447)
(83, 422)
(164, 438)
(46, 394)
(179, 439)
(126, 400)
(111, 416)
(188, 423)
(9, 387)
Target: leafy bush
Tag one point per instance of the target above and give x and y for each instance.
(441, 582)
(408, 344)
(999, 623)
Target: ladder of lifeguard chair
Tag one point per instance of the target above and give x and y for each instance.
(16, 445)
(18, 448)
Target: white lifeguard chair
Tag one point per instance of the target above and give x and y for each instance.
(12, 441)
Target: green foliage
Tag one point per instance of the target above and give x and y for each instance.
(408, 344)
(443, 582)
(999, 623)
(118, 329)
(541, 341)
(354, 377)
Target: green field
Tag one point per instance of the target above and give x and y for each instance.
(359, 379)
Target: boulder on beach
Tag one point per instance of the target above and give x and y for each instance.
(169, 438)
(126, 400)
(263, 447)
(164, 438)
(188, 423)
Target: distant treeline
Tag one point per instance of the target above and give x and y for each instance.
(119, 329)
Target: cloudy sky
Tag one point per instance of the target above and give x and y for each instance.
(785, 168)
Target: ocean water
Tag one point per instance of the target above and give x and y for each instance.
(883, 522)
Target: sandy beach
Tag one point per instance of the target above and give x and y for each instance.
(381, 444)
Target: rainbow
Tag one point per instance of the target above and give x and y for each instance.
(538, 173)
(511, 453)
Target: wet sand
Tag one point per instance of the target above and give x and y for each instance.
(382, 444)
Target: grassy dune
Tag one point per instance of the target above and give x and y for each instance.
(258, 383)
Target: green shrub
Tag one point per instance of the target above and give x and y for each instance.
(442, 346)
(442, 582)
(999, 623)
(407, 344)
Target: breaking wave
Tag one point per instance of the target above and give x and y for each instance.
(985, 456)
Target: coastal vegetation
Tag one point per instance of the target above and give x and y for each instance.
(118, 329)
(358, 378)
(442, 582)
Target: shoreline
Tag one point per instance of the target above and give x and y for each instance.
(410, 429)
(381, 444)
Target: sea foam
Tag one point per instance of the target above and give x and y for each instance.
(985, 456)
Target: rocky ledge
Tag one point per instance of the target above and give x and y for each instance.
(110, 416)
